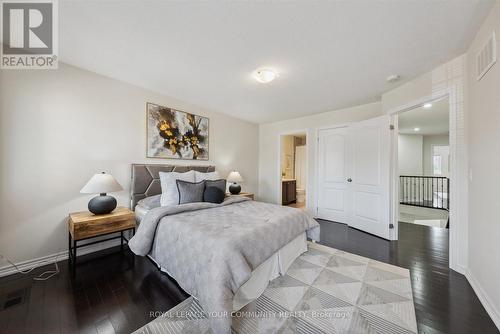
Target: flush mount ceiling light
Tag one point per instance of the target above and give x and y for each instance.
(427, 105)
(265, 75)
(416, 129)
(393, 78)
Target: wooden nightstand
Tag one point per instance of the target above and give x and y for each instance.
(85, 225)
(244, 194)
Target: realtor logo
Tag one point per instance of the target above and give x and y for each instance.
(29, 34)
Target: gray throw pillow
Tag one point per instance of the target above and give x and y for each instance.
(150, 202)
(190, 192)
(221, 184)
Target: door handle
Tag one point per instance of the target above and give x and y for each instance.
(349, 180)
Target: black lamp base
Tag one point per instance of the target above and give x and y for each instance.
(234, 188)
(102, 204)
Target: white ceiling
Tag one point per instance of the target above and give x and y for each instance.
(431, 121)
(330, 55)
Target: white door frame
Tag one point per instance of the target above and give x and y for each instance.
(455, 220)
(278, 178)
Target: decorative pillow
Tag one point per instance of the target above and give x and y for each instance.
(169, 192)
(190, 192)
(199, 176)
(214, 195)
(150, 202)
(221, 184)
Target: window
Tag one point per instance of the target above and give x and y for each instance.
(440, 160)
(436, 165)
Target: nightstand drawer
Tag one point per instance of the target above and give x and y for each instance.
(84, 225)
(92, 229)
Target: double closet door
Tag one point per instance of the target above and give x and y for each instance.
(354, 175)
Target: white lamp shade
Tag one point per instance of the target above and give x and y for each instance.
(101, 183)
(234, 177)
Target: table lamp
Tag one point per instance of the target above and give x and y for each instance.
(234, 177)
(101, 184)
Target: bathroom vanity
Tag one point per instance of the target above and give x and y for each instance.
(288, 191)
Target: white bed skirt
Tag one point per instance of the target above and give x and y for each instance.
(270, 269)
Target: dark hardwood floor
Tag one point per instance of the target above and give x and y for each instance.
(116, 294)
(112, 293)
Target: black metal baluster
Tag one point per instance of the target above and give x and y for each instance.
(406, 189)
(442, 193)
(428, 188)
(413, 189)
(418, 189)
(423, 189)
(431, 193)
(409, 191)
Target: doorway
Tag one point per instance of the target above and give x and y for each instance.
(293, 169)
(424, 164)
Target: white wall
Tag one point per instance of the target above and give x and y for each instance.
(483, 122)
(429, 142)
(59, 127)
(410, 154)
(415, 153)
(269, 134)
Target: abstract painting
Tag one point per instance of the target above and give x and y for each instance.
(175, 134)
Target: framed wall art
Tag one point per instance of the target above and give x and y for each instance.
(175, 134)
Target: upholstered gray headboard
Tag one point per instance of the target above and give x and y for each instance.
(146, 179)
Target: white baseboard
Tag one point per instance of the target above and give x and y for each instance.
(459, 268)
(484, 299)
(60, 256)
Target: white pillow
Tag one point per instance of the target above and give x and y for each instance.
(199, 176)
(169, 192)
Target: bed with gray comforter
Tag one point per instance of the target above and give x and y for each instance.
(212, 249)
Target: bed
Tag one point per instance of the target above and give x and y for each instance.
(222, 254)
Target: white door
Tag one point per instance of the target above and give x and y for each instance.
(370, 186)
(354, 175)
(333, 163)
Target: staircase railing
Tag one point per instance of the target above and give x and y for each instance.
(425, 191)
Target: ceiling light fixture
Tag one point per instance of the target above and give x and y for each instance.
(427, 105)
(265, 75)
(416, 129)
(393, 78)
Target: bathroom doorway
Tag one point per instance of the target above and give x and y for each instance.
(293, 169)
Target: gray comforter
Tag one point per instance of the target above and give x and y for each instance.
(212, 249)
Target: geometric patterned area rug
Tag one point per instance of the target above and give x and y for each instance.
(324, 291)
